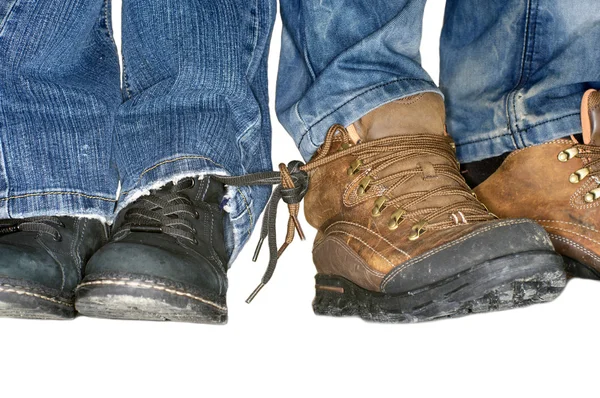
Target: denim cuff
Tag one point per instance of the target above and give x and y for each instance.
(58, 203)
(345, 110)
(243, 205)
(548, 128)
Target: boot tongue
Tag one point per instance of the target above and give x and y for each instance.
(418, 114)
(590, 117)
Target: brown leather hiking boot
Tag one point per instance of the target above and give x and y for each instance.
(401, 238)
(557, 184)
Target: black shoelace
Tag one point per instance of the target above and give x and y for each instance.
(42, 225)
(291, 186)
(169, 212)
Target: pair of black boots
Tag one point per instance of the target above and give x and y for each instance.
(163, 259)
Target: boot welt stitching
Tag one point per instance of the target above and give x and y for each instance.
(20, 290)
(126, 282)
(574, 233)
(575, 245)
(446, 246)
(368, 230)
(568, 223)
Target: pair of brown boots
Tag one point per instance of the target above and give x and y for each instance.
(402, 237)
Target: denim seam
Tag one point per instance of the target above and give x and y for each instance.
(149, 169)
(56, 193)
(522, 130)
(549, 121)
(308, 132)
(8, 14)
(254, 42)
(511, 98)
(482, 140)
(107, 21)
(248, 209)
(532, 53)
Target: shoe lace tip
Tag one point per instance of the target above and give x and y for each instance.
(257, 250)
(255, 293)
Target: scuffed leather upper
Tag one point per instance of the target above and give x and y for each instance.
(35, 259)
(357, 246)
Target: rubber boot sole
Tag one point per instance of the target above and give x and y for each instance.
(147, 300)
(500, 284)
(21, 299)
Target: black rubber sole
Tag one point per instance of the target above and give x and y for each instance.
(576, 269)
(19, 300)
(146, 301)
(504, 283)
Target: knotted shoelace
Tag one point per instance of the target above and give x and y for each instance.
(43, 225)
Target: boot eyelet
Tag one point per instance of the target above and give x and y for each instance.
(568, 154)
(376, 212)
(396, 219)
(579, 175)
(354, 167)
(193, 183)
(196, 215)
(417, 230)
(194, 231)
(592, 196)
(195, 242)
(57, 238)
(363, 185)
(344, 146)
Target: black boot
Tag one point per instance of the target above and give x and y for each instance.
(41, 262)
(166, 259)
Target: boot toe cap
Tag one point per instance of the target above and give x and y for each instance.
(128, 260)
(509, 242)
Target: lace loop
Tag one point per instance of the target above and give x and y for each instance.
(43, 225)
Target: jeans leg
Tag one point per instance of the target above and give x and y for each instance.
(340, 59)
(59, 91)
(513, 71)
(196, 99)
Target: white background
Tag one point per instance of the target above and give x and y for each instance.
(277, 347)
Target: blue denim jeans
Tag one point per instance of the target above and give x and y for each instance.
(193, 99)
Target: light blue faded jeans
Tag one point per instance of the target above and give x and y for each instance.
(193, 99)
